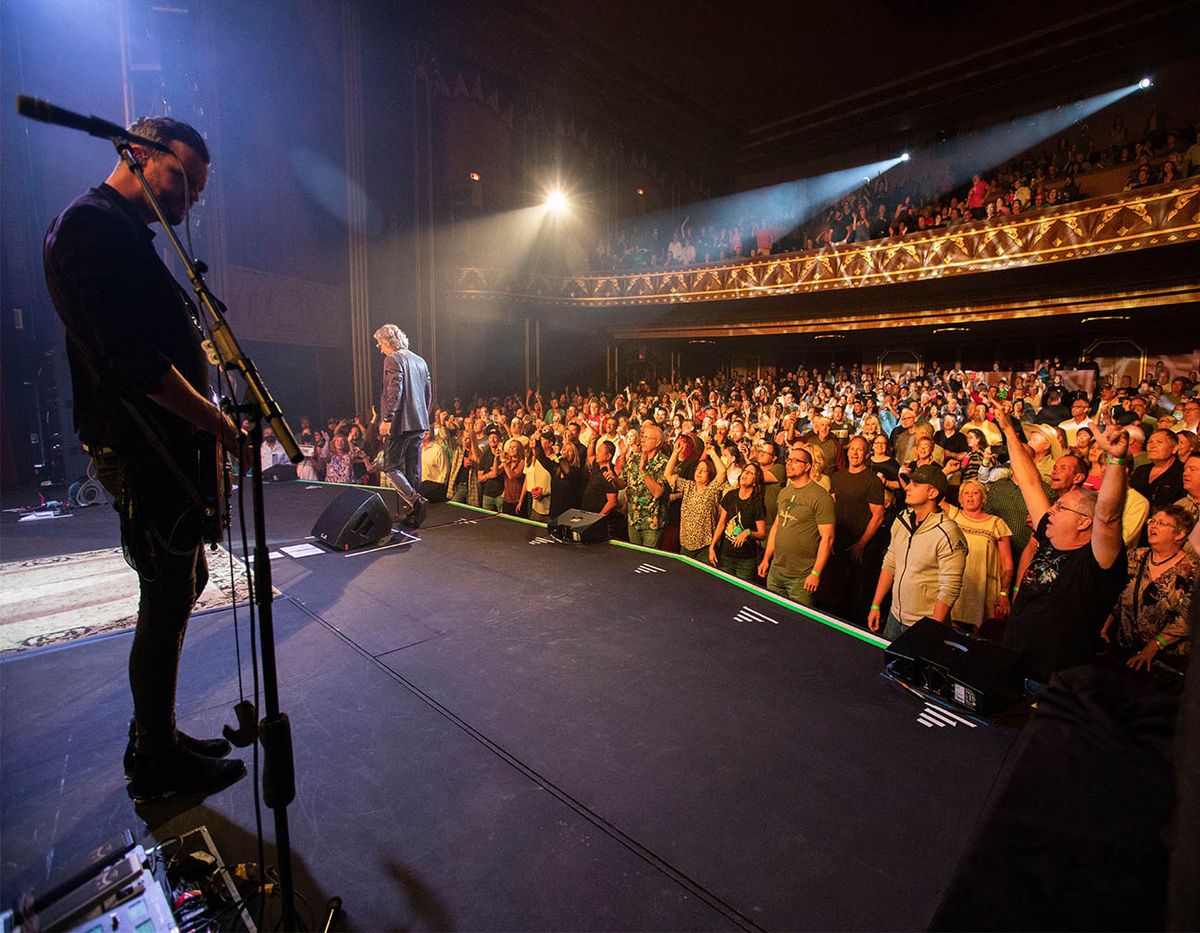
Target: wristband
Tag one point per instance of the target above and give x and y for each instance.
(814, 573)
(1117, 461)
(1161, 641)
(875, 607)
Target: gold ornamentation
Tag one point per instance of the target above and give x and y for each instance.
(1062, 233)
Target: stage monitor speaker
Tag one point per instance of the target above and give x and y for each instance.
(977, 675)
(279, 472)
(357, 518)
(576, 526)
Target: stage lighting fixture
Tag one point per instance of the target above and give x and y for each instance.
(640, 191)
(474, 176)
(1145, 83)
(556, 201)
(904, 157)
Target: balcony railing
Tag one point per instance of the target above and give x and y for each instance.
(1134, 220)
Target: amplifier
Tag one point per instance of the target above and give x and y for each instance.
(579, 527)
(978, 675)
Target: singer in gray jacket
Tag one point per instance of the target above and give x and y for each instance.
(404, 406)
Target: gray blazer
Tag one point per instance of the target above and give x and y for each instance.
(407, 392)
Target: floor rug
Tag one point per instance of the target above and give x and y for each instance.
(51, 600)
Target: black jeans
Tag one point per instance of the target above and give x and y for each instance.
(402, 452)
(161, 540)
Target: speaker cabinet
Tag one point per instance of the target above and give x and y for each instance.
(281, 472)
(579, 527)
(977, 675)
(357, 518)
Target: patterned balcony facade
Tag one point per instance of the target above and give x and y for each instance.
(1135, 220)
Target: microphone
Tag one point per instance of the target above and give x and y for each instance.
(46, 112)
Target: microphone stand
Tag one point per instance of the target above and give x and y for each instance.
(279, 778)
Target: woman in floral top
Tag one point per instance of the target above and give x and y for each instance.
(339, 463)
(1150, 622)
(701, 496)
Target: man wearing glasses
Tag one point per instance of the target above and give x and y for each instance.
(1079, 567)
(801, 537)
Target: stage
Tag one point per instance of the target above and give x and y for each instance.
(497, 731)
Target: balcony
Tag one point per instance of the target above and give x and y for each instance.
(1108, 225)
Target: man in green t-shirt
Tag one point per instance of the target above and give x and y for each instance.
(801, 537)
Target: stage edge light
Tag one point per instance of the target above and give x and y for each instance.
(904, 157)
(1145, 83)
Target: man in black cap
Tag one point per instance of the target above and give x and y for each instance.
(925, 561)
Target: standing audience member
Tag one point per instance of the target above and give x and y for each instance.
(538, 465)
(435, 466)
(989, 571)
(1078, 567)
(601, 493)
(1190, 499)
(924, 563)
(512, 475)
(567, 478)
(701, 500)
(801, 538)
(642, 478)
(1149, 625)
(491, 470)
(741, 524)
(1160, 480)
(858, 497)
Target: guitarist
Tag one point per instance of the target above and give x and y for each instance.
(141, 406)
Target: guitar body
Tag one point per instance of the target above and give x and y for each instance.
(215, 483)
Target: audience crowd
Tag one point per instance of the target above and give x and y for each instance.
(999, 502)
(884, 207)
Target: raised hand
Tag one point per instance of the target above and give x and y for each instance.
(1114, 441)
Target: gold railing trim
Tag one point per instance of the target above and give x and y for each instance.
(738, 281)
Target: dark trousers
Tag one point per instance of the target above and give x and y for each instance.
(402, 462)
(161, 540)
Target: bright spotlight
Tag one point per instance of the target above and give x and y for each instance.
(1145, 83)
(904, 157)
(556, 201)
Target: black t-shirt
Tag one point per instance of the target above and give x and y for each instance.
(595, 496)
(887, 469)
(744, 515)
(954, 444)
(1165, 490)
(127, 324)
(854, 494)
(494, 486)
(1064, 599)
(566, 488)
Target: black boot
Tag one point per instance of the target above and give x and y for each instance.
(209, 748)
(417, 515)
(157, 775)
